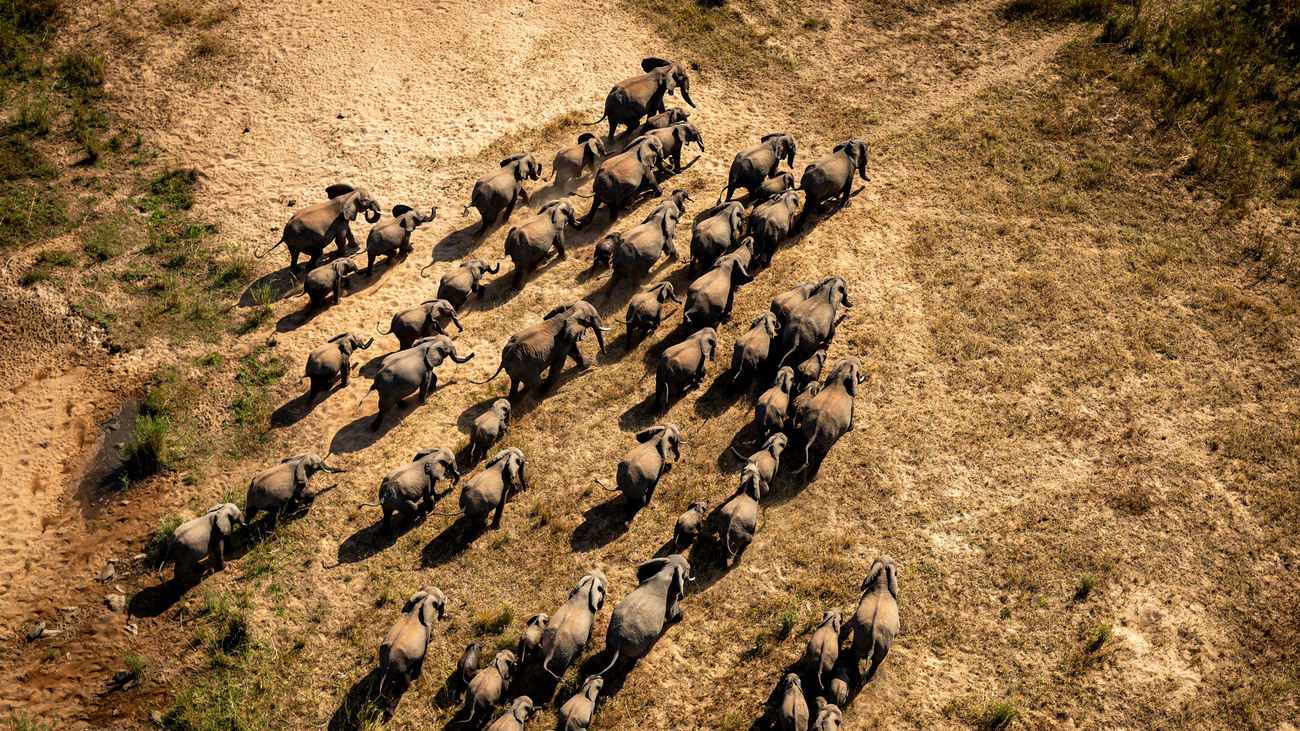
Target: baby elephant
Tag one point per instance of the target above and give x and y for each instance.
(393, 238)
(490, 426)
(640, 471)
(325, 280)
(576, 713)
(829, 716)
(738, 517)
(206, 536)
(645, 310)
(332, 361)
(531, 639)
(515, 718)
(823, 648)
(467, 665)
(875, 623)
(284, 485)
(682, 365)
(688, 525)
(401, 655)
(794, 709)
(773, 405)
(412, 489)
(764, 463)
(489, 490)
(840, 685)
(490, 685)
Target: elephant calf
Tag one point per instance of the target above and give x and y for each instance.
(875, 623)
(569, 629)
(738, 517)
(489, 490)
(458, 284)
(576, 713)
(284, 485)
(393, 238)
(467, 665)
(764, 463)
(500, 190)
(664, 120)
(206, 536)
(753, 349)
(639, 619)
(570, 162)
(774, 186)
(645, 310)
(810, 370)
(675, 139)
(401, 654)
(323, 281)
(829, 415)
(823, 648)
(430, 317)
(829, 716)
(490, 685)
(682, 365)
(794, 709)
(773, 406)
(530, 640)
(490, 426)
(641, 468)
(715, 230)
(332, 361)
(517, 717)
(412, 489)
(688, 524)
(840, 685)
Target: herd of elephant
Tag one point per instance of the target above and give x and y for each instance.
(789, 340)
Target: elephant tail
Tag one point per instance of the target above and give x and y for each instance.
(726, 541)
(546, 665)
(364, 397)
(381, 332)
(268, 251)
(788, 353)
(612, 663)
(494, 375)
(579, 195)
(739, 456)
(465, 211)
(807, 458)
(602, 485)
(370, 505)
(603, 117)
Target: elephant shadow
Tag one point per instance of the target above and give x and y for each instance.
(373, 539)
(719, 398)
(465, 422)
(641, 415)
(358, 435)
(824, 211)
(269, 288)
(602, 524)
(460, 243)
(152, 601)
(708, 556)
(362, 706)
(535, 682)
(452, 541)
(650, 358)
(296, 409)
(729, 462)
(371, 368)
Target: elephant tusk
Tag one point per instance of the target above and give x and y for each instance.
(604, 329)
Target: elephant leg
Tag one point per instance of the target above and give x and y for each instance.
(388, 518)
(496, 514)
(384, 405)
(613, 125)
(427, 386)
(518, 282)
(250, 512)
(576, 356)
(293, 260)
(559, 244)
(510, 207)
(338, 291)
(877, 657)
(219, 555)
(315, 259)
(345, 375)
(370, 262)
(591, 214)
(347, 234)
(514, 387)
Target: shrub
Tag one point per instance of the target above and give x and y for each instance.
(148, 449)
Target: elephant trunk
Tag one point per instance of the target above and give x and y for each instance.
(366, 345)
(686, 94)
(457, 359)
(494, 270)
(844, 300)
(862, 165)
(600, 338)
(332, 470)
(372, 216)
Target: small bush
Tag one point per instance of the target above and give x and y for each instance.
(24, 722)
(82, 72)
(1086, 585)
(148, 449)
(135, 664)
(494, 623)
(999, 715)
(33, 116)
(158, 541)
(55, 258)
(177, 12)
(1093, 10)
(211, 44)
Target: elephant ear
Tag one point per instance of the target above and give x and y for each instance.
(423, 453)
(840, 146)
(300, 475)
(503, 454)
(679, 582)
(224, 522)
(433, 357)
(851, 382)
(652, 63)
(585, 136)
(427, 608)
(646, 435)
(409, 223)
(892, 574)
(574, 330)
(338, 189)
(350, 207)
(650, 568)
(595, 595)
(502, 664)
(414, 601)
(872, 575)
(401, 210)
(512, 158)
(340, 336)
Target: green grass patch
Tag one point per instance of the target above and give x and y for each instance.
(488, 622)
(149, 449)
(250, 409)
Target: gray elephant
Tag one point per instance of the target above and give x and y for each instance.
(314, 227)
(709, 298)
(773, 406)
(829, 414)
(771, 222)
(715, 230)
(412, 489)
(409, 372)
(516, 717)
(393, 238)
(656, 122)
(774, 186)
(468, 664)
(810, 370)
(325, 280)
(530, 640)
(640, 470)
(799, 405)
(753, 165)
(576, 713)
(738, 517)
(632, 99)
(487, 492)
(490, 426)
(831, 176)
(531, 351)
(812, 322)
(823, 648)
(401, 654)
(500, 190)
(682, 366)
(639, 619)
(764, 463)
(840, 685)
(207, 536)
(783, 303)
(688, 524)
(602, 254)
(569, 628)
(458, 284)
(570, 162)
(528, 243)
(875, 623)
(490, 685)
(430, 317)
(285, 484)
(637, 250)
(794, 709)
(645, 310)
(622, 176)
(332, 361)
(753, 349)
(674, 140)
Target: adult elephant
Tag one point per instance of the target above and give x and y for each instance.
(314, 227)
(709, 298)
(641, 469)
(771, 222)
(636, 251)
(331, 361)
(622, 176)
(412, 489)
(547, 344)
(829, 415)
(500, 190)
(428, 318)
(569, 630)
(812, 322)
(401, 654)
(632, 99)
(528, 243)
(753, 165)
(394, 237)
(487, 492)
(409, 372)
(715, 230)
(639, 619)
(207, 536)
(284, 485)
(831, 176)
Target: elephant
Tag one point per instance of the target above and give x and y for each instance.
(576, 713)
(799, 405)
(490, 685)
(637, 250)
(517, 717)
(738, 517)
(829, 415)
(622, 176)
(412, 489)
(753, 165)
(569, 628)
(409, 372)
(783, 303)
(528, 243)
(314, 227)
(764, 463)
(545, 345)
(639, 619)
(810, 370)
(832, 175)
(794, 709)
(645, 311)
(430, 317)
(205, 536)
(530, 640)
(774, 186)
(682, 366)
(602, 254)
(394, 238)
(656, 122)
(570, 162)
(744, 254)
(490, 426)
(501, 189)
(709, 298)
(753, 349)
(812, 322)
(325, 280)
(284, 484)
(773, 407)
(639, 96)
(401, 654)
(688, 524)
(829, 716)
(458, 284)
(489, 490)
(875, 623)
(840, 685)
(823, 648)
(331, 361)
(674, 140)
(770, 223)
(467, 665)
(641, 469)
(715, 230)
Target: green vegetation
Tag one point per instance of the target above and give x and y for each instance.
(25, 722)
(149, 449)
(999, 715)
(135, 664)
(157, 545)
(250, 409)
(487, 622)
